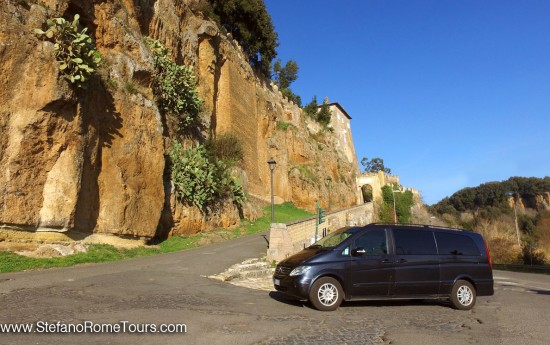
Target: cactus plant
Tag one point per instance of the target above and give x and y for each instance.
(74, 51)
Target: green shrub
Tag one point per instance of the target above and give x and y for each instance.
(283, 126)
(320, 113)
(403, 203)
(311, 108)
(112, 84)
(306, 173)
(175, 87)
(74, 51)
(201, 181)
(131, 87)
(192, 175)
(324, 114)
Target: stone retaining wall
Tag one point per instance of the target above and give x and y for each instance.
(287, 239)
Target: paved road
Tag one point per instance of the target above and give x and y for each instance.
(171, 288)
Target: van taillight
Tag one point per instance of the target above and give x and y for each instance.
(488, 255)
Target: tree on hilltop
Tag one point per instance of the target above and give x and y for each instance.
(311, 108)
(374, 165)
(250, 24)
(285, 75)
(321, 113)
(324, 114)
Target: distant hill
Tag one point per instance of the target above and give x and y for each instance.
(490, 199)
(489, 210)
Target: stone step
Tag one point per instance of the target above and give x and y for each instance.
(268, 272)
(248, 269)
(254, 266)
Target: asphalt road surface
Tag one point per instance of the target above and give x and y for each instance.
(171, 292)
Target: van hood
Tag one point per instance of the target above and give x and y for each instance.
(303, 255)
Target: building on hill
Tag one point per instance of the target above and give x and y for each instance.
(372, 183)
(340, 121)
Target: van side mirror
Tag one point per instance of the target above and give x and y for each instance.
(358, 251)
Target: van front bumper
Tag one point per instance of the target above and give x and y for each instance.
(296, 287)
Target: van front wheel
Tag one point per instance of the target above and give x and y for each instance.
(463, 296)
(326, 294)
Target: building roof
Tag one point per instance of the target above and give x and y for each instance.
(336, 104)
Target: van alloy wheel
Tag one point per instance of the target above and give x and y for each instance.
(326, 294)
(463, 295)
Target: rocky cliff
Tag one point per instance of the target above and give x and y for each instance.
(536, 202)
(93, 160)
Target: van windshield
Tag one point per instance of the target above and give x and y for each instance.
(333, 239)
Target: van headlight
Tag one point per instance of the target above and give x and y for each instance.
(298, 271)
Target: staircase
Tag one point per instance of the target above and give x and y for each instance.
(253, 273)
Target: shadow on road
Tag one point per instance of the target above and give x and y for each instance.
(540, 292)
(279, 297)
(395, 303)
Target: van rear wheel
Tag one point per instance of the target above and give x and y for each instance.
(326, 294)
(463, 295)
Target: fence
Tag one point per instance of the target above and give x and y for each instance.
(287, 239)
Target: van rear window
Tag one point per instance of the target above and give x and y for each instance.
(455, 244)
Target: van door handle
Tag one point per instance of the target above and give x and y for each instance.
(400, 261)
(386, 261)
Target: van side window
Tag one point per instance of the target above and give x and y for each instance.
(455, 244)
(374, 242)
(414, 242)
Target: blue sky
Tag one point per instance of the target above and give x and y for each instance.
(450, 93)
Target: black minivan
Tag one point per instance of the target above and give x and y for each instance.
(389, 261)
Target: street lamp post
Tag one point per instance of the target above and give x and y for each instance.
(394, 211)
(329, 181)
(513, 195)
(272, 165)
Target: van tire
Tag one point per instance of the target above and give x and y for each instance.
(463, 295)
(326, 294)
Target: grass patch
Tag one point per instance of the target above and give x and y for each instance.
(283, 126)
(306, 173)
(12, 262)
(131, 87)
(284, 213)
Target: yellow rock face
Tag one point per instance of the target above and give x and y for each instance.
(92, 160)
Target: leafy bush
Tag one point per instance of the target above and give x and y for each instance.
(321, 114)
(311, 108)
(175, 86)
(192, 175)
(306, 173)
(324, 114)
(283, 126)
(74, 51)
(292, 96)
(199, 180)
(404, 201)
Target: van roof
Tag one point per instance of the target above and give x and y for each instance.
(423, 226)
